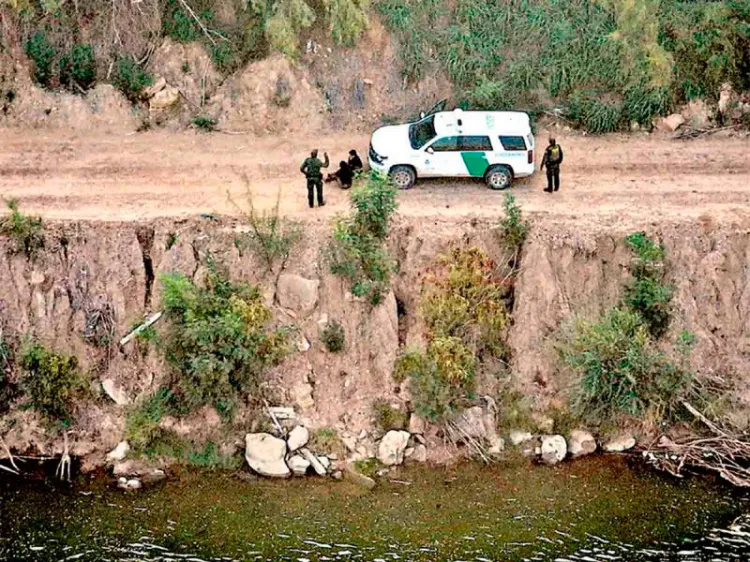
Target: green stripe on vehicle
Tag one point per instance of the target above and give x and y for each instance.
(476, 163)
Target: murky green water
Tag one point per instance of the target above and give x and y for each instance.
(593, 510)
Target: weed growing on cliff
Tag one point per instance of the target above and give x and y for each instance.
(218, 341)
(42, 53)
(647, 294)
(25, 231)
(142, 424)
(184, 451)
(326, 441)
(333, 337)
(78, 68)
(204, 123)
(357, 251)
(51, 382)
(386, 417)
(270, 237)
(514, 229)
(131, 79)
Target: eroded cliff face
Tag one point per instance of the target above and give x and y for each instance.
(562, 273)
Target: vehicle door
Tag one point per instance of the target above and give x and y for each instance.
(443, 158)
(475, 152)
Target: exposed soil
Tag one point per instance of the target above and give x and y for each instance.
(605, 180)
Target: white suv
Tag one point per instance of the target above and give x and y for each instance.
(495, 145)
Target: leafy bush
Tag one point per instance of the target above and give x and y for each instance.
(142, 424)
(326, 441)
(271, 237)
(25, 231)
(647, 294)
(619, 370)
(333, 337)
(218, 341)
(42, 53)
(595, 115)
(78, 68)
(204, 123)
(131, 79)
(642, 104)
(357, 252)
(180, 25)
(348, 19)
(368, 467)
(387, 417)
(513, 227)
(208, 455)
(51, 382)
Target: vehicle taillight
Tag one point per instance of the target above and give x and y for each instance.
(531, 156)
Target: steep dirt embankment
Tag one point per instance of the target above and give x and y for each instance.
(563, 272)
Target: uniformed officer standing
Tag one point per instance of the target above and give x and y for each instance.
(311, 168)
(553, 157)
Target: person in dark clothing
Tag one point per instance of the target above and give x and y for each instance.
(311, 168)
(553, 157)
(344, 175)
(355, 162)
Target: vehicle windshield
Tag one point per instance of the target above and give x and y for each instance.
(421, 133)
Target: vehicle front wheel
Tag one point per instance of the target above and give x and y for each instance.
(498, 177)
(403, 176)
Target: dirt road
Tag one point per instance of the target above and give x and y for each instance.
(63, 175)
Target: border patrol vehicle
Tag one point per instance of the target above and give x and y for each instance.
(497, 146)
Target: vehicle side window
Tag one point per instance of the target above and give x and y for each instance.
(476, 143)
(446, 144)
(513, 143)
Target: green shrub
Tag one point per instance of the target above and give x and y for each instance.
(595, 115)
(348, 19)
(368, 467)
(333, 337)
(131, 79)
(78, 68)
(51, 382)
(513, 227)
(204, 123)
(172, 239)
(647, 294)
(180, 25)
(326, 441)
(218, 341)
(42, 53)
(25, 231)
(619, 371)
(142, 424)
(643, 104)
(357, 252)
(168, 445)
(387, 417)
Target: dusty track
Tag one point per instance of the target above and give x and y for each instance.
(64, 175)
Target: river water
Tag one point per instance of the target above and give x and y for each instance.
(594, 510)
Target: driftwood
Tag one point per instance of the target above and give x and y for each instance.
(721, 452)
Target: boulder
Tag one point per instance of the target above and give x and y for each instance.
(554, 449)
(155, 88)
(417, 425)
(265, 454)
(298, 464)
(119, 452)
(519, 437)
(314, 461)
(496, 445)
(325, 462)
(392, 447)
(115, 392)
(419, 454)
(671, 123)
(129, 483)
(297, 438)
(619, 444)
(581, 443)
(166, 98)
(297, 294)
(359, 479)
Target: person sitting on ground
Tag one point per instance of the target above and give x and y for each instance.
(355, 162)
(344, 175)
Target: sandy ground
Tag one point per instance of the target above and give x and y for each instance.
(97, 176)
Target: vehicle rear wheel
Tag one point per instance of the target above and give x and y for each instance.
(403, 176)
(498, 177)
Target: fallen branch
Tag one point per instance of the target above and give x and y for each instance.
(10, 457)
(205, 30)
(149, 322)
(457, 434)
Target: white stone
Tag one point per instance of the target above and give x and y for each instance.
(303, 344)
(325, 461)
(417, 425)
(119, 452)
(154, 89)
(298, 465)
(420, 453)
(392, 447)
(164, 99)
(129, 483)
(619, 444)
(554, 449)
(283, 412)
(297, 438)
(581, 443)
(496, 445)
(519, 437)
(296, 293)
(265, 454)
(115, 392)
(314, 461)
(673, 122)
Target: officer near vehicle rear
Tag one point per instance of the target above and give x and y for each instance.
(311, 168)
(553, 157)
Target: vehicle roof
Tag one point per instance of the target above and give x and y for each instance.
(482, 122)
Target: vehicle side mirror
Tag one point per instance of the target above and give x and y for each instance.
(430, 150)
(421, 114)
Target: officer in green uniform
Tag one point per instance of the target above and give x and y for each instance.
(311, 168)
(553, 157)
